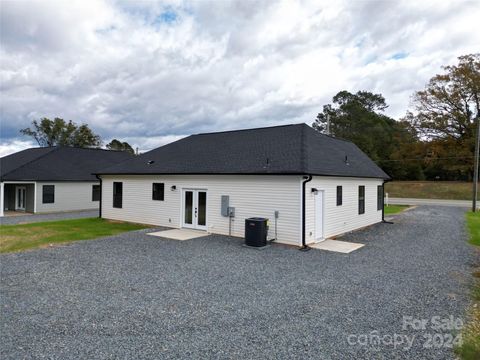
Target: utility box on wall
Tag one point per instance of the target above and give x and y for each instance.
(225, 205)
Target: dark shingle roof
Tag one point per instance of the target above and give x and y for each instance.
(58, 164)
(289, 149)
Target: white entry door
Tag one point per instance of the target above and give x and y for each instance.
(20, 194)
(195, 209)
(319, 209)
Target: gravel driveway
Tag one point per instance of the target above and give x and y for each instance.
(136, 296)
(25, 219)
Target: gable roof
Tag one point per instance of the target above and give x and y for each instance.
(288, 149)
(58, 164)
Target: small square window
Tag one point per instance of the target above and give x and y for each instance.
(48, 194)
(339, 195)
(158, 191)
(95, 192)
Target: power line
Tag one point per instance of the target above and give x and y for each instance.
(424, 158)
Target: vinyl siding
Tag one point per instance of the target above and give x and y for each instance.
(343, 218)
(69, 196)
(251, 195)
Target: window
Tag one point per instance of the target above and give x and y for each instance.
(361, 199)
(117, 194)
(48, 194)
(339, 195)
(379, 197)
(158, 191)
(95, 192)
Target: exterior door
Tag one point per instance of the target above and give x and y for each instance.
(195, 209)
(319, 215)
(20, 195)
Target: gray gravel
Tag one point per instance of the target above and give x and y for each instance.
(137, 296)
(25, 219)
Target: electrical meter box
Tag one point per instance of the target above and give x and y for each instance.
(225, 205)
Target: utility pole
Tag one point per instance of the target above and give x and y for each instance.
(328, 124)
(475, 169)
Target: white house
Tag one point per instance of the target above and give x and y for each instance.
(310, 186)
(53, 179)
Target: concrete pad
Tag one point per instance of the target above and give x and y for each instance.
(179, 234)
(15, 213)
(337, 246)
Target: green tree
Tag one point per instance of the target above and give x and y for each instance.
(406, 158)
(358, 118)
(121, 146)
(445, 113)
(58, 132)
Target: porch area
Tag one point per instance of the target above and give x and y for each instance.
(17, 199)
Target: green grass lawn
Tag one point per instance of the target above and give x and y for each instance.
(27, 236)
(470, 347)
(394, 209)
(473, 223)
(448, 190)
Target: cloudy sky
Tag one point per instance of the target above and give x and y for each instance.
(152, 72)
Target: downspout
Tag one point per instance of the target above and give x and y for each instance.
(2, 198)
(101, 190)
(306, 179)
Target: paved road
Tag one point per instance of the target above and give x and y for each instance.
(25, 219)
(137, 296)
(435, 202)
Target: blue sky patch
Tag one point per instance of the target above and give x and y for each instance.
(167, 17)
(399, 55)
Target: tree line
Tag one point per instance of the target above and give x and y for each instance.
(433, 141)
(58, 132)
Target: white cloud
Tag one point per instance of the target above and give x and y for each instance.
(148, 72)
(10, 147)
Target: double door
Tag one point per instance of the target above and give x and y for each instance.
(195, 209)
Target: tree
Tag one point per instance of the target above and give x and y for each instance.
(445, 114)
(406, 159)
(58, 132)
(358, 118)
(121, 146)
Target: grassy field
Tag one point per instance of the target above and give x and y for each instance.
(473, 223)
(470, 348)
(394, 209)
(449, 190)
(27, 236)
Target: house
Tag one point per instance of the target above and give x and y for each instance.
(310, 186)
(53, 179)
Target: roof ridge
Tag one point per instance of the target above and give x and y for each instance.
(333, 137)
(52, 149)
(84, 148)
(249, 129)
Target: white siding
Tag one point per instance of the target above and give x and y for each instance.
(343, 218)
(251, 195)
(69, 196)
